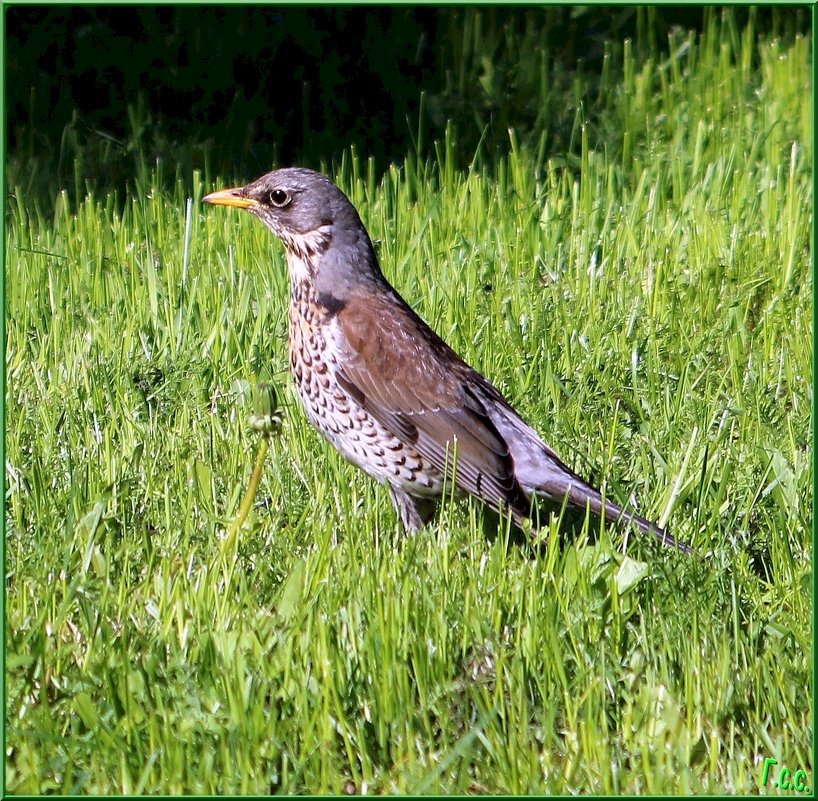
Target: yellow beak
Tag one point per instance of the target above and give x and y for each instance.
(229, 197)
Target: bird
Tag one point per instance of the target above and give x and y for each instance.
(386, 391)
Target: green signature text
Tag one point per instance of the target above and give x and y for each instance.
(786, 779)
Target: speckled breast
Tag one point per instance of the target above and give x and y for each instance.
(347, 425)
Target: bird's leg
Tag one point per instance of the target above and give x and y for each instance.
(415, 512)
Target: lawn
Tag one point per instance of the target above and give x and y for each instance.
(644, 301)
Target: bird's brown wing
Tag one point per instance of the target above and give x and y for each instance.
(407, 378)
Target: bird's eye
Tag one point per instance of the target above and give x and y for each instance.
(279, 198)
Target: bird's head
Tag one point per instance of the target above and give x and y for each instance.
(298, 205)
(320, 228)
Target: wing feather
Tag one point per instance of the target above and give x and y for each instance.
(408, 379)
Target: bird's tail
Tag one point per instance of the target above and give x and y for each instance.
(557, 483)
(540, 472)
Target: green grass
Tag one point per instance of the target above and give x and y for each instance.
(646, 306)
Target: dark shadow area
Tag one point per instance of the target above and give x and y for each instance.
(95, 93)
